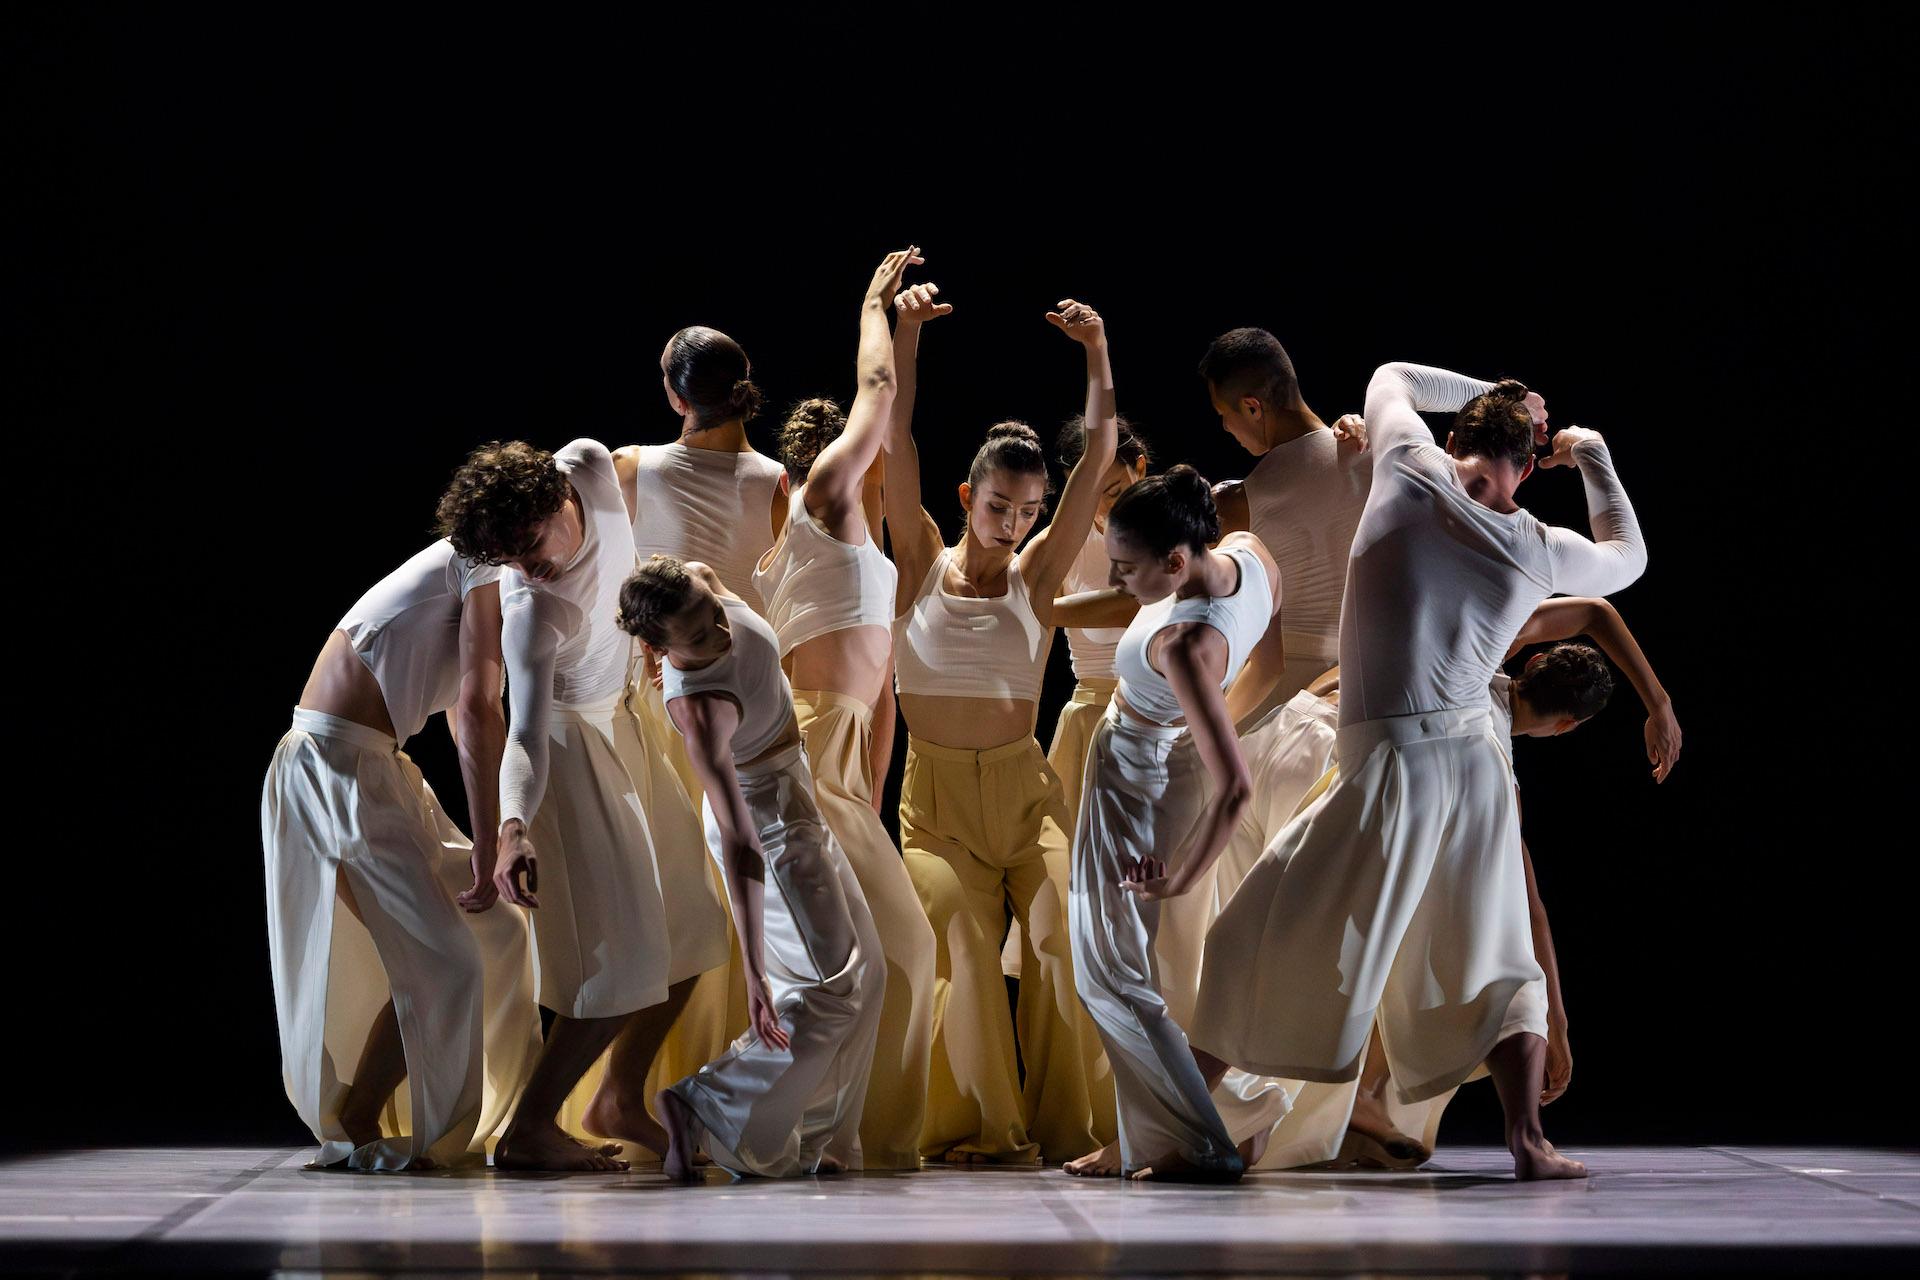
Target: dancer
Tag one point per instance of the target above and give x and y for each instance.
(1165, 786)
(573, 823)
(786, 1098)
(398, 981)
(981, 816)
(1445, 569)
(829, 592)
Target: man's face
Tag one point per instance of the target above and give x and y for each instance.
(551, 546)
(1240, 416)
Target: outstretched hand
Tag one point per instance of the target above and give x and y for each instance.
(916, 304)
(1147, 878)
(1563, 442)
(1351, 428)
(886, 276)
(1078, 321)
(1663, 742)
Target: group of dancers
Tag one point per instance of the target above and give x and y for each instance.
(1266, 894)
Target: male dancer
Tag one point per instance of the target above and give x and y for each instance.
(345, 814)
(569, 805)
(1445, 569)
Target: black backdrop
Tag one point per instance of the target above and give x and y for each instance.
(283, 272)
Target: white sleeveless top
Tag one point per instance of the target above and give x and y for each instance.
(1241, 617)
(709, 505)
(406, 629)
(749, 673)
(817, 584)
(949, 646)
(1092, 647)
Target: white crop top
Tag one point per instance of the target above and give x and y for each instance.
(407, 632)
(949, 646)
(562, 645)
(815, 584)
(710, 505)
(749, 673)
(1092, 647)
(1241, 617)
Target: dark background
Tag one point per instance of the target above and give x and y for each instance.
(283, 271)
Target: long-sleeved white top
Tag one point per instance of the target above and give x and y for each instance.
(562, 645)
(1438, 585)
(1304, 500)
(406, 629)
(710, 505)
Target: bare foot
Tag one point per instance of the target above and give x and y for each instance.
(609, 1118)
(955, 1155)
(1104, 1163)
(1253, 1148)
(1372, 1141)
(1174, 1167)
(830, 1165)
(677, 1161)
(548, 1147)
(1537, 1161)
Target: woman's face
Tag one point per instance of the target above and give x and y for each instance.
(1119, 478)
(1002, 510)
(1138, 572)
(699, 633)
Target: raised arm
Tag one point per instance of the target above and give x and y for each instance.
(915, 538)
(707, 721)
(1570, 616)
(1193, 657)
(837, 480)
(1107, 607)
(531, 645)
(1399, 393)
(480, 735)
(1615, 556)
(1046, 560)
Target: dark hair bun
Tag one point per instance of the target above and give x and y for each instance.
(1014, 430)
(1509, 389)
(1172, 509)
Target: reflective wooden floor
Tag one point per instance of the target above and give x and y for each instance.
(256, 1211)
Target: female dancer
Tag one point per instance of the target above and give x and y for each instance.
(786, 1098)
(709, 497)
(829, 592)
(981, 815)
(1165, 788)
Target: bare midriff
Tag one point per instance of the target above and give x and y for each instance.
(852, 661)
(342, 686)
(1137, 718)
(968, 724)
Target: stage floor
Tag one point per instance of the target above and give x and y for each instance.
(257, 1211)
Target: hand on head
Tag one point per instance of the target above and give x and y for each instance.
(1537, 409)
(1563, 442)
(1078, 321)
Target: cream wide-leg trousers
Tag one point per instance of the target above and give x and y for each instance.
(342, 801)
(1397, 896)
(1143, 792)
(838, 731)
(778, 1112)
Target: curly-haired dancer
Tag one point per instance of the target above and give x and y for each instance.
(1444, 571)
(829, 592)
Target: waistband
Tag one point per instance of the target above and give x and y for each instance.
(820, 701)
(1093, 691)
(1124, 723)
(1312, 704)
(1355, 740)
(322, 725)
(977, 759)
(779, 762)
(598, 714)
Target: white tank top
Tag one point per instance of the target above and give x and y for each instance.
(1092, 647)
(709, 505)
(1304, 500)
(949, 646)
(1241, 617)
(749, 673)
(406, 630)
(816, 584)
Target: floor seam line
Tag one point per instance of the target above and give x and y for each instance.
(1817, 1179)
